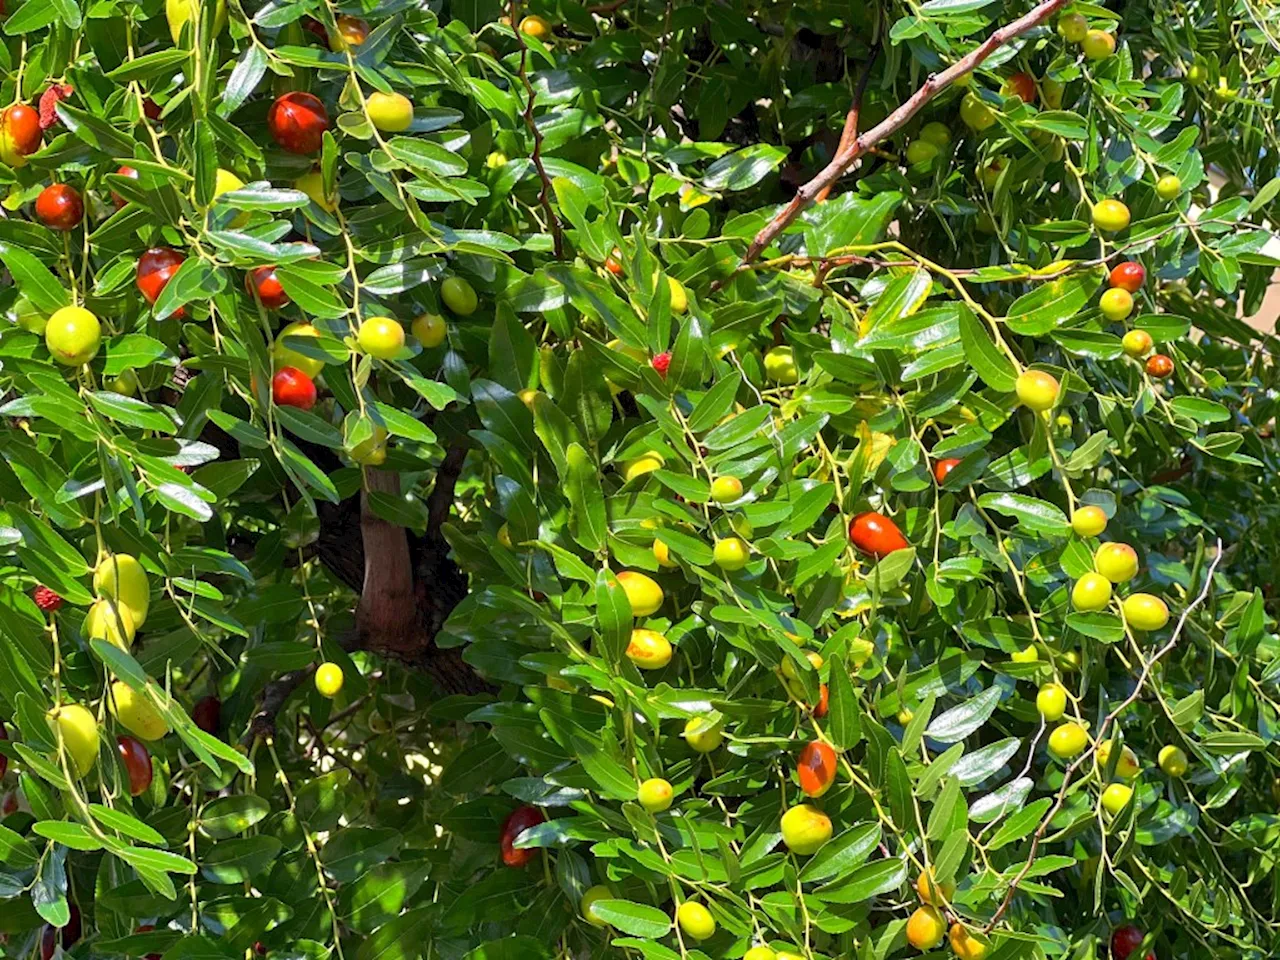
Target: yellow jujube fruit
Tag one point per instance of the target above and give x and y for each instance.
(1067, 740)
(731, 553)
(1051, 701)
(283, 356)
(1116, 797)
(329, 680)
(120, 577)
(430, 329)
(593, 894)
(805, 829)
(1037, 390)
(726, 489)
(1118, 562)
(643, 592)
(1142, 611)
(760, 953)
(701, 736)
(649, 650)
(662, 553)
(110, 622)
(136, 713)
(679, 298)
(646, 463)
(78, 730)
(926, 928)
(178, 12)
(932, 892)
(655, 795)
(1173, 760)
(695, 920)
(389, 112)
(967, 945)
(312, 184)
(372, 451)
(224, 182)
(1089, 521)
(1091, 592)
(1127, 766)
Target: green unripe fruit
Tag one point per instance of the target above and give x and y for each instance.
(731, 553)
(695, 920)
(1168, 187)
(1068, 740)
(459, 296)
(780, 366)
(1051, 701)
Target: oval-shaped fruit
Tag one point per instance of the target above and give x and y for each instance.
(284, 356)
(643, 592)
(805, 829)
(792, 672)
(181, 12)
(389, 112)
(645, 463)
(780, 366)
(695, 920)
(760, 953)
(135, 712)
(312, 184)
(816, 768)
(655, 795)
(19, 134)
(1053, 91)
(1116, 304)
(1021, 85)
(937, 133)
(1137, 343)
(78, 730)
(59, 207)
(966, 944)
(351, 32)
(976, 113)
(1173, 760)
(1118, 562)
(1110, 216)
(876, 535)
(1127, 765)
(1067, 740)
(263, 282)
(1168, 187)
(921, 151)
(1051, 701)
(1116, 797)
(1098, 44)
(297, 121)
(459, 296)
(648, 649)
(943, 467)
(1091, 592)
(381, 337)
(679, 296)
(1073, 27)
(1125, 940)
(496, 160)
(329, 680)
(1159, 366)
(207, 715)
(930, 891)
(1089, 521)
(372, 452)
(114, 624)
(1028, 654)
(726, 489)
(137, 764)
(290, 387)
(926, 928)
(73, 336)
(662, 553)
(156, 268)
(1037, 390)
(520, 820)
(29, 317)
(1129, 275)
(731, 553)
(1142, 611)
(703, 737)
(430, 329)
(120, 577)
(592, 895)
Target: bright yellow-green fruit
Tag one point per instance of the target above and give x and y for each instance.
(1116, 304)
(1197, 73)
(695, 920)
(1089, 521)
(662, 553)
(371, 451)
(73, 336)
(646, 463)
(120, 577)
(430, 330)
(1051, 701)
(1098, 44)
(1091, 592)
(78, 730)
(731, 553)
(178, 12)
(1137, 344)
(312, 184)
(655, 795)
(1118, 562)
(926, 928)
(28, 316)
(726, 489)
(648, 649)
(504, 535)
(1127, 766)
(921, 151)
(1173, 760)
(126, 384)
(975, 113)
(780, 366)
(598, 892)
(792, 672)
(1142, 611)
(1073, 27)
(643, 592)
(283, 356)
(1037, 390)
(114, 624)
(136, 713)
(679, 296)
(1067, 740)
(329, 680)
(381, 337)
(1111, 216)
(389, 112)
(1116, 797)
(459, 296)
(760, 953)
(224, 182)
(1168, 187)
(939, 134)
(805, 829)
(1028, 654)
(703, 737)
(496, 160)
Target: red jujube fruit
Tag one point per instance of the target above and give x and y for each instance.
(876, 535)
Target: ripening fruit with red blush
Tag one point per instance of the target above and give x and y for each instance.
(125, 171)
(297, 121)
(521, 819)
(59, 207)
(1125, 940)
(613, 264)
(943, 467)
(820, 710)
(661, 363)
(1022, 86)
(1159, 366)
(46, 599)
(1129, 275)
(263, 282)
(156, 268)
(19, 134)
(876, 535)
(207, 715)
(290, 387)
(137, 764)
(816, 768)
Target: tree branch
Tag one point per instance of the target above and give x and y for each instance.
(850, 132)
(441, 500)
(544, 194)
(936, 83)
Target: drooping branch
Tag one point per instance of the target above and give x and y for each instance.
(544, 194)
(850, 131)
(936, 83)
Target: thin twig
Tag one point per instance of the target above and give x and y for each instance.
(544, 194)
(895, 121)
(850, 132)
(1101, 738)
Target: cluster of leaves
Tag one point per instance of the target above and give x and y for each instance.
(659, 139)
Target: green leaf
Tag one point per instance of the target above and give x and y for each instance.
(1051, 304)
(842, 853)
(966, 718)
(637, 919)
(984, 355)
(586, 499)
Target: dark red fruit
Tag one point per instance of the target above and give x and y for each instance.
(1125, 940)
(151, 109)
(290, 387)
(521, 819)
(1129, 275)
(9, 806)
(820, 710)
(1159, 366)
(297, 122)
(662, 362)
(1023, 86)
(259, 948)
(49, 101)
(156, 268)
(147, 928)
(944, 467)
(816, 768)
(207, 715)
(262, 280)
(132, 174)
(316, 28)
(68, 935)
(877, 535)
(59, 207)
(137, 764)
(46, 600)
